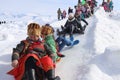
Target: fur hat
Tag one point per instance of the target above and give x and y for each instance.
(71, 15)
(34, 29)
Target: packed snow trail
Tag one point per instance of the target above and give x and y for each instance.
(79, 55)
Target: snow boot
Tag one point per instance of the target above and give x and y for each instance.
(51, 75)
(81, 32)
(60, 55)
(31, 74)
(71, 37)
(30, 67)
(84, 27)
(75, 42)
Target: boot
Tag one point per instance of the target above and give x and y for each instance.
(84, 27)
(71, 37)
(30, 68)
(31, 74)
(60, 55)
(51, 75)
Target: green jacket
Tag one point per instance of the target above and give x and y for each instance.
(49, 40)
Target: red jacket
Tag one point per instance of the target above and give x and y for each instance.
(45, 62)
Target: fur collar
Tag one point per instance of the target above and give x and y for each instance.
(70, 20)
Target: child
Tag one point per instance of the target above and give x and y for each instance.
(47, 32)
(32, 57)
(62, 41)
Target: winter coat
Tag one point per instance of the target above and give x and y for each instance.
(79, 19)
(41, 57)
(64, 14)
(49, 40)
(73, 25)
(70, 26)
(59, 13)
(106, 6)
(111, 5)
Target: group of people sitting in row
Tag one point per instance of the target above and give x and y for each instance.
(73, 25)
(86, 8)
(35, 57)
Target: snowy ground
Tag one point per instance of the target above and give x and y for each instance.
(96, 57)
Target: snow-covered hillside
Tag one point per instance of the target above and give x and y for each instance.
(96, 57)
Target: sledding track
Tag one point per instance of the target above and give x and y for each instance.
(77, 69)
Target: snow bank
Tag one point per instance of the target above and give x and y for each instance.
(96, 74)
(112, 55)
(105, 66)
(106, 32)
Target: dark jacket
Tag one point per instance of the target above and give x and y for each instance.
(74, 25)
(79, 19)
(20, 47)
(70, 26)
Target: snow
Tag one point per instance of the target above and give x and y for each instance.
(96, 57)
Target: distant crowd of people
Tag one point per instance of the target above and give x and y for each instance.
(108, 5)
(86, 9)
(2, 22)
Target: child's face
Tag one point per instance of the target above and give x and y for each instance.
(34, 37)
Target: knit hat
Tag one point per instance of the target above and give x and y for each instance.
(34, 29)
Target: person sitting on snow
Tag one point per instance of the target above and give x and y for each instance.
(62, 41)
(48, 36)
(32, 58)
(79, 18)
(72, 26)
(57, 47)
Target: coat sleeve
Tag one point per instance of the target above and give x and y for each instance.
(47, 49)
(66, 24)
(84, 21)
(19, 48)
(17, 51)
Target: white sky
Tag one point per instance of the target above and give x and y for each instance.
(35, 6)
(44, 7)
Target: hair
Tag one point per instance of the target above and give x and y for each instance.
(34, 29)
(46, 30)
